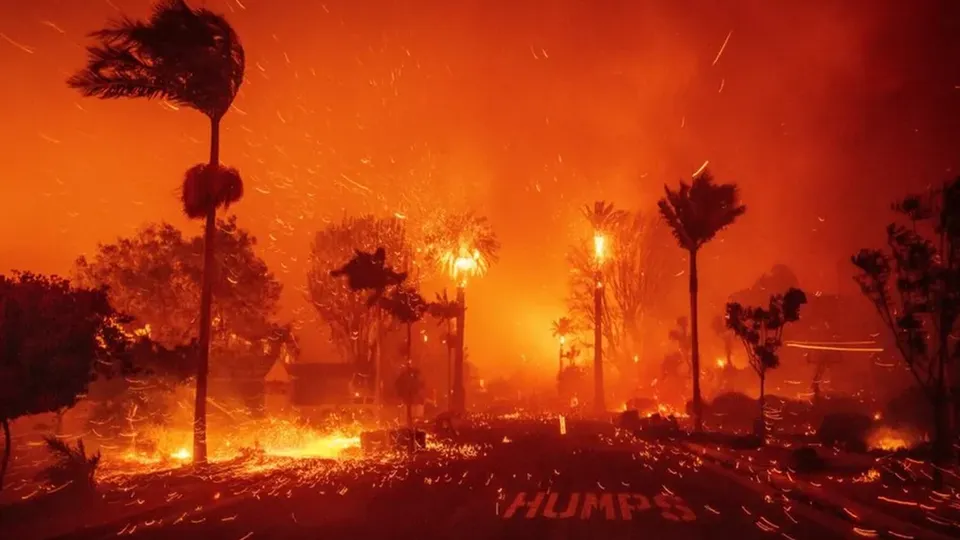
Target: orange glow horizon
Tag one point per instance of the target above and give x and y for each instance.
(521, 113)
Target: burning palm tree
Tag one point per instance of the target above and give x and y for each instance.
(562, 328)
(464, 245)
(603, 218)
(190, 58)
(696, 213)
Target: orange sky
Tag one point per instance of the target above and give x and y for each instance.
(822, 111)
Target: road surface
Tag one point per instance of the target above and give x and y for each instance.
(526, 482)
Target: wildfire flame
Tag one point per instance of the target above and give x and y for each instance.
(890, 439)
(464, 264)
(598, 245)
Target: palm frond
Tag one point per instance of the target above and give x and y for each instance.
(190, 57)
(696, 212)
(206, 188)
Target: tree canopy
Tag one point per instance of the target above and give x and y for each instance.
(56, 339)
(696, 212)
(190, 57)
(761, 329)
(633, 275)
(345, 311)
(155, 276)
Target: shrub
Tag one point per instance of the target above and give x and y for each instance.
(72, 467)
(806, 459)
(746, 442)
(910, 409)
(846, 430)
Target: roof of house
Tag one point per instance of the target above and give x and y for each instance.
(278, 372)
(321, 370)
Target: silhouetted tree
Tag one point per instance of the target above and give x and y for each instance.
(696, 213)
(761, 331)
(54, 340)
(915, 286)
(353, 326)
(407, 307)
(368, 271)
(156, 276)
(779, 278)
(410, 387)
(192, 58)
(634, 277)
(446, 311)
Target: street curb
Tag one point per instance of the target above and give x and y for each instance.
(865, 515)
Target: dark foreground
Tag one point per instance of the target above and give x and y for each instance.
(526, 481)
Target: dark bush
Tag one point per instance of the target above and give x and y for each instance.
(910, 409)
(846, 430)
(629, 419)
(842, 405)
(72, 466)
(656, 425)
(746, 442)
(806, 460)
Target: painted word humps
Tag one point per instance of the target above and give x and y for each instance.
(611, 506)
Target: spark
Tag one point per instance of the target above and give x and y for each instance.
(52, 25)
(722, 47)
(20, 46)
(831, 348)
(702, 168)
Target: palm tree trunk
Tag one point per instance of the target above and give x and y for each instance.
(449, 364)
(410, 343)
(459, 390)
(598, 398)
(6, 449)
(695, 344)
(560, 362)
(206, 302)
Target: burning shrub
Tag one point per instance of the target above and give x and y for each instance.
(847, 430)
(73, 467)
(891, 439)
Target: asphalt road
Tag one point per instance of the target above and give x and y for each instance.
(524, 482)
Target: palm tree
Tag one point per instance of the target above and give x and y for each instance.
(407, 307)
(369, 272)
(464, 245)
(562, 328)
(446, 311)
(603, 218)
(696, 213)
(191, 58)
